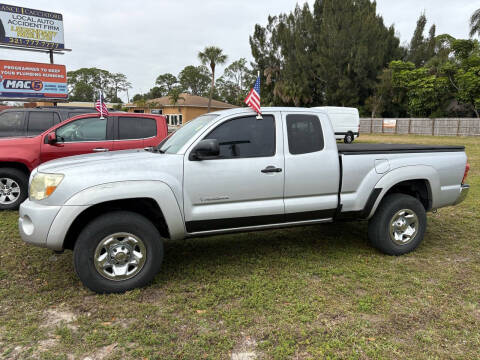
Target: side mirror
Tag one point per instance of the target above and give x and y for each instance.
(205, 149)
(52, 138)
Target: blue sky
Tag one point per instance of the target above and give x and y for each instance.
(143, 39)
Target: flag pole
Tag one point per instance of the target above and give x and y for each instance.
(101, 107)
(259, 116)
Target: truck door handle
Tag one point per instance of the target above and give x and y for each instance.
(271, 169)
(99, 150)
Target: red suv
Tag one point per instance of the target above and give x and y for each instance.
(81, 134)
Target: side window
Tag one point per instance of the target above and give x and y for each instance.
(39, 121)
(245, 137)
(86, 129)
(11, 123)
(304, 134)
(136, 128)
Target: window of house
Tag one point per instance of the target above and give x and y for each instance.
(245, 137)
(136, 128)
(304, 134)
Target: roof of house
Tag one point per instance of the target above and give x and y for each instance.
(191, 100)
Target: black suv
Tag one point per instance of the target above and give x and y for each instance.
(34, 121)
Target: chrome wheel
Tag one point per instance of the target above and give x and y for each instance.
(403, 226)
(9, 191)
(120, 256)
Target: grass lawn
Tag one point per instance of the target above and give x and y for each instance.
(301, 293)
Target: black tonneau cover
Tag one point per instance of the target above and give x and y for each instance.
(364, 148)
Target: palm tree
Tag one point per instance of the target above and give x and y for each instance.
(212, 56)
(175, 95)
(475, 23)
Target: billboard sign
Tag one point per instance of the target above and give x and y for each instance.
(29, 80)
(24, 27)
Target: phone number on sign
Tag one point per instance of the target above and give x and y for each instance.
(34, 43)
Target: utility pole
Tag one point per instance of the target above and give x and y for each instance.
(51, 62)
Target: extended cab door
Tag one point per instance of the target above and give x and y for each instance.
(79, 136)
(242, 187)
(134, 132)
(312, 168)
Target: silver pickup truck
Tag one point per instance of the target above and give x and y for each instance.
(230, 171)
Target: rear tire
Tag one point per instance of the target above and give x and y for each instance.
(349, 137)
(13, 188)
(398, 226)
(117, 252)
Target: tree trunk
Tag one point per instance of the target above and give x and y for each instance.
(476, 111)
(211, 90)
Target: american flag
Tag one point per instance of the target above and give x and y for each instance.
(253, 97)
(101, 106)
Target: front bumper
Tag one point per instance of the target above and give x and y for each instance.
(35, 221)
(463, 193)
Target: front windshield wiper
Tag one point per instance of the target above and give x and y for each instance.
(162, 151)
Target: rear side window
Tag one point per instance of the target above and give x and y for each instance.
(11, 123)
(38, 121)
(304, 134)
(245, 137)
(136, 128)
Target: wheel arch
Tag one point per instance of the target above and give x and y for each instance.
(146, 207)
(16, 165)
(421, 182)
(152, 199)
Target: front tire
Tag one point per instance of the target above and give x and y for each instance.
(398, 226)
(13, 188)
(349, 137)
(117, 252)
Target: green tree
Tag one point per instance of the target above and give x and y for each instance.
(235, 83)
(331, 55)
(212, 56)
(175, 95)
(475, 23)
(166, 82)
(84, 84)
(119, 83)
(195, 79)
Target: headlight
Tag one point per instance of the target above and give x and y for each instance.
(43, 185)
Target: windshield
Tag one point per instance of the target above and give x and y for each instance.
(185, 133)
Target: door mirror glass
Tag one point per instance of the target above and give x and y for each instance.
(205, 149)
(52, 138)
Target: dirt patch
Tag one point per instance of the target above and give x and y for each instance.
(102, 353)
(245, 349)
(54, 317)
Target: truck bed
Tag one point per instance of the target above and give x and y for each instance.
(364, 148)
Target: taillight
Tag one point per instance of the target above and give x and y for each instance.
(467, 168)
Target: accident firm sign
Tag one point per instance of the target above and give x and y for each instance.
(25, 27)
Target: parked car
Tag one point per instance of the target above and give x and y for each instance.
(79, 135)
(33, 121)
(345, 122)
(228, 171)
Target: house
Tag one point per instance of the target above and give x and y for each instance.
(187, 108)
